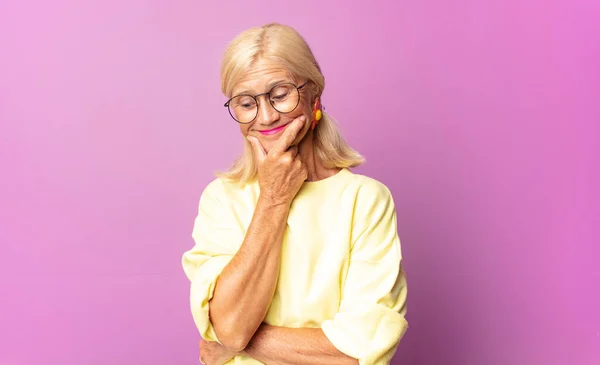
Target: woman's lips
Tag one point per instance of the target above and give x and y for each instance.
(270, 132)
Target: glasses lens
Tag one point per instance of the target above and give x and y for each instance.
(284, 98)
(243, 108)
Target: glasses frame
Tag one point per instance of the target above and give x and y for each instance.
(268, 94)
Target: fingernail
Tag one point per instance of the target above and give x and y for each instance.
(303, 118)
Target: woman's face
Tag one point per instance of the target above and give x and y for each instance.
(269, 124)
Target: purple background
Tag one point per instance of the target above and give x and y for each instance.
(481, 116)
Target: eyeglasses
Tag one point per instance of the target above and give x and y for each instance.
(284, 98)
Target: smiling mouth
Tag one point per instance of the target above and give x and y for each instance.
(273, 131)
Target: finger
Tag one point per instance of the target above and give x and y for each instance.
(257, 148)
(293, 151)
(289, 135)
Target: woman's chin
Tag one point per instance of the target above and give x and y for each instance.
(270, 141)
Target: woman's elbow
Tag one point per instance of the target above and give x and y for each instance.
(232, 337)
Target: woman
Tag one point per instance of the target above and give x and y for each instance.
(296, 258)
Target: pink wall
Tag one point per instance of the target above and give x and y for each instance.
(481, 116)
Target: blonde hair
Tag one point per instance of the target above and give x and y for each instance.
(285, 45)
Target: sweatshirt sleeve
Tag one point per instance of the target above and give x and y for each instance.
(371, 319)
(215, 239)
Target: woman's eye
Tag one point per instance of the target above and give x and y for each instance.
(280, 96)
(245, 103)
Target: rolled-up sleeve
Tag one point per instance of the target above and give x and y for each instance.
(371, 319)
(214, 246)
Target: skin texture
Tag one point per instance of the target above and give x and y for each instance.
(245, 288)
(273, 345)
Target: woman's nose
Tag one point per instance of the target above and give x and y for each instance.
(266, 113)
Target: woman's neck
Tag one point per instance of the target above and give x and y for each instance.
(316, 169)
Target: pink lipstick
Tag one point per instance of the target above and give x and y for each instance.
(270, 132)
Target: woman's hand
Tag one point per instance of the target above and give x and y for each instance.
(280, 171)
(213, 353)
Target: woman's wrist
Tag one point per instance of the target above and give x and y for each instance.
(270, 202)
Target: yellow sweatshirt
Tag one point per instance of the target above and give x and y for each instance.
(340, 265)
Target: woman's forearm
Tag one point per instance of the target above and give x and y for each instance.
(294, 346)
(245, 288)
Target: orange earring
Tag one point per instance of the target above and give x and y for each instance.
(317, 114)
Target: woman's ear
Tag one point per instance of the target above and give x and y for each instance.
(317, 113)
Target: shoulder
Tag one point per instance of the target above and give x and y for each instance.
(213, 192)
(373, 198)
(370, 189)
(220, 191)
